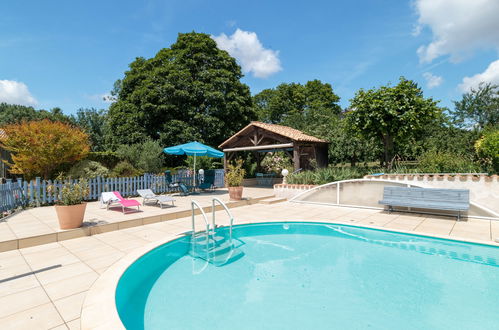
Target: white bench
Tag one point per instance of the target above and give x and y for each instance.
(427, 198)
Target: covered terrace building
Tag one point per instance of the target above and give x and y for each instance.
(261, 138)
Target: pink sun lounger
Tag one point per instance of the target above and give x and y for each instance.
(115, 199)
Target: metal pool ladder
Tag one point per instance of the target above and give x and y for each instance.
(214, 246)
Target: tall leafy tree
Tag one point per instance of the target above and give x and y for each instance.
(190, 91)
(347, 145)
(478, 108)
(392, 114)
(296, 105)
(13, 113)
(94, 122)
(314, 109)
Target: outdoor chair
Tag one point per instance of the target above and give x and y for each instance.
(109, 200)
(208, 180)
(169, 180)
(148, 195)
(183, 189)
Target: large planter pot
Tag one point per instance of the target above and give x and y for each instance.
(70, 216)
(236, 193)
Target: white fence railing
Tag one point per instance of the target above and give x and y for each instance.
(21, 193)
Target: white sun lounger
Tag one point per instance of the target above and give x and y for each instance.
(108, 198)
(148, 195)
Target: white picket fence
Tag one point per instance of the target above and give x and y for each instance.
(21, 193)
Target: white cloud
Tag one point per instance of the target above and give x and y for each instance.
(458, 27)
(432, 80)
(104, 97)
(15, 92)
(250, 53)
(490, 75)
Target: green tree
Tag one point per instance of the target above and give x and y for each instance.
(347, 145)
(300, 106)
(189, 91)
(478, 108)
(392, 114)
(487, 148)
(94, 122)
(147, 156)
(13, 114)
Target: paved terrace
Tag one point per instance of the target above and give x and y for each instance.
(40, 225)
(43, 287)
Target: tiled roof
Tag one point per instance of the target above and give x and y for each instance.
(285, 131)
(3, 135)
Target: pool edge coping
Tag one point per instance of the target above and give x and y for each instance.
(99, 306)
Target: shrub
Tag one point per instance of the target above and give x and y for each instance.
(88, 169)
(108, 159)
(70, 193)
(235, 174)
(325, 175)
(40, 148)
(276, 162)
(487, 148)
(125, 169)
(204, 162)
(445, 162)
(147, 156)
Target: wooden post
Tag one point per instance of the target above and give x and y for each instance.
(296, 156)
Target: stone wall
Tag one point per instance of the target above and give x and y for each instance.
(290, 190)
(252, 182)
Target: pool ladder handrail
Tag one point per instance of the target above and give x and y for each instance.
(209, 231)
(195, 205)
(213, 211)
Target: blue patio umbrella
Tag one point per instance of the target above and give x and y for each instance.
(194, 149)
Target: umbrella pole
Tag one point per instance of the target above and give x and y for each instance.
(194, 176)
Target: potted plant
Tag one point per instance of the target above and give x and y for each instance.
(70, 207)
(234, 179)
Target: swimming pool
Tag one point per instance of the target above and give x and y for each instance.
(315, 276)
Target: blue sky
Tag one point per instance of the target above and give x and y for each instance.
(69, 53)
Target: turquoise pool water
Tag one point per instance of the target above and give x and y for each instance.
(316, 276)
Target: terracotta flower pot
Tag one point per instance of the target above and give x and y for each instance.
(236, 193)
(70, 216)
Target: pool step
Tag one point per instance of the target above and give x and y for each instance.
(217, 250)
(273, 200)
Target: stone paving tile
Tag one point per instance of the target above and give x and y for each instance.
(70, 286)
(52, 257)
(378, 219)
(151, 235)
(494, 228)
(129, 245)
(24, 281)
(473, 228)
(44, 316)
(70, 307)
(436, 226)
(404, 222)
(104, 261)
(74, 325)
(64, 272)
(6, 234)
(21, 301)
